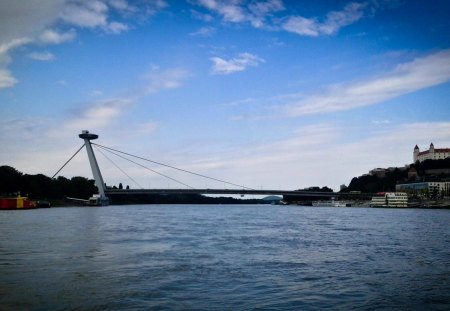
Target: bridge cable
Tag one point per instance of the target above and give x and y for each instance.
(143, 166)
(109, 159)
(176, 168)
(68, 161)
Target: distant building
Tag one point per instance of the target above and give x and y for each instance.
(425, 188)
(430, 154)
(379, 172)
(412, 173)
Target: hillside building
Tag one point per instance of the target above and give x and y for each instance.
(425, 188)
(430, 154)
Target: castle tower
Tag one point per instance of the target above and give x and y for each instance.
(416, 154)
(431, 148)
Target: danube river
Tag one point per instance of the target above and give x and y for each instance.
(224, 257)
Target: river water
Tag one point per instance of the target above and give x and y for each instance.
(224, 257)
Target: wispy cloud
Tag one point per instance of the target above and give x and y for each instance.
(99, 14)
(230, 11)
(6, 77)
(36, 22)
(158, 79)
(51, 36)
(261, 14)
(204, 32)
(11, 45)
(93, 116)
(90, 14)
(41, 56)
(103, 113)
(239, 63)
(261, 10)
(334, 21)
(408, 77)
(116, 27)
(299, 160)
(201, 16)
(237, 12)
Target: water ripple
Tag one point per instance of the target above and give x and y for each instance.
(177, 257)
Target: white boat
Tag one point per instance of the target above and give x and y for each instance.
(390, 199)
(331, 203)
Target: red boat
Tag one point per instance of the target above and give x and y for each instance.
(16, 203)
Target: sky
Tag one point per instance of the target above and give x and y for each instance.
(265, 94)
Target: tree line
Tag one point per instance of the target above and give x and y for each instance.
(39, 186)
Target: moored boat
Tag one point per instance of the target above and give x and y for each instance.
(331, 203)
(18, 202)
(390, 199)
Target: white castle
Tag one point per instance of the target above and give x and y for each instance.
(430, 154)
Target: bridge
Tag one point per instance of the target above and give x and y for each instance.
(102, 197)
(223, 191)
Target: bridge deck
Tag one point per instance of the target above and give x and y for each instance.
(234, 191)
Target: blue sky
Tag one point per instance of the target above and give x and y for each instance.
(268, 94)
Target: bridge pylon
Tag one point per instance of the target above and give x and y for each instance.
(101, 198)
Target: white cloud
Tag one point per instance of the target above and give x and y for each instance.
(40, 22)
(204, 32)
(50, 36)
(201, 16)
(302, 26)
(240, 63)
(98, 114)
(116, 28)
(122, 5)
(238, 12)
(20, 23)
(418, 74)
(87, 14)
(97, 14)
(260, 10)
(229, 10)
(12, 44)
(6, 77)
(158, 80)
(260, 14)
(316, 155)
(41, 56)
(93, 14)
(334, 21)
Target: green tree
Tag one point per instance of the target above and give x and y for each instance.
(10, 180)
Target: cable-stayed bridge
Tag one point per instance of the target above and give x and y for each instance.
(103, 191)
(223, 191)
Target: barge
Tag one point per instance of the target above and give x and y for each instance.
(18, 202)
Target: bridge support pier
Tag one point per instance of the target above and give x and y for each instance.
(101, 198)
